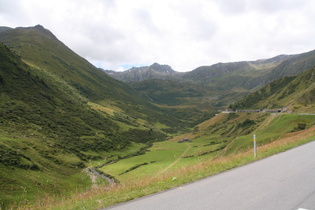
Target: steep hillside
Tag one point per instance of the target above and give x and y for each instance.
(46, 131)
(155, 71)
(39, 48)
(296, 92)
(292, 66)
(30, 98)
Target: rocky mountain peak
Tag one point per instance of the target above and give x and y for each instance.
(4, 28)
(166, 69)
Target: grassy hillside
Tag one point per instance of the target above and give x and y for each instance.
(40, 137)
(222, 135)
(253, 74)
(210, 74)
(174, 93)
(40, 49)
(295, 92)
(295, 65)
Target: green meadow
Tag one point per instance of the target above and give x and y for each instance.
(208, 143)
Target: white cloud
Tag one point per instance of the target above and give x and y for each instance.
(116, 34)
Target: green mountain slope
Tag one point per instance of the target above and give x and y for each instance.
(292, 66)
(171, 92)
(186, 94)
(253, 74)
(296, 92)
(43, 133)
(208, 74)
(39, 48)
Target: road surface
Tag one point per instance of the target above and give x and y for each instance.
(281, 182)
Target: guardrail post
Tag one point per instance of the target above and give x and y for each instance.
(255, 146)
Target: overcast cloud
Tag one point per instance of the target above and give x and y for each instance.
(118, 34)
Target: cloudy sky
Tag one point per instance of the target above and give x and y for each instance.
(185, 34)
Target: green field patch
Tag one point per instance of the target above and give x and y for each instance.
(169, 155)
(279, 126)
(103, 157)
(32, 169)
(160, 156)
(204, 145)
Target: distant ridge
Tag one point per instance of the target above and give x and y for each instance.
(251, 75)
(3, 28)
(240, 76)
(136, 74)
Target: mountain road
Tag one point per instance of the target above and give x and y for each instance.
(285, 181)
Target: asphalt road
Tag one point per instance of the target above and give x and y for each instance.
(281, 182)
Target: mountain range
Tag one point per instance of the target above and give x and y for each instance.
(248, 75)
(215, 86)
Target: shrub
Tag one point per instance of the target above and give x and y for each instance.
(301, 126)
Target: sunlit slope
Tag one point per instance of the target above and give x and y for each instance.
(220, 136)
(295, 92)
(38, 47)
(41, 130)
(251, 75)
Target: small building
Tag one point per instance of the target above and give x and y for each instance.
(184, 140)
